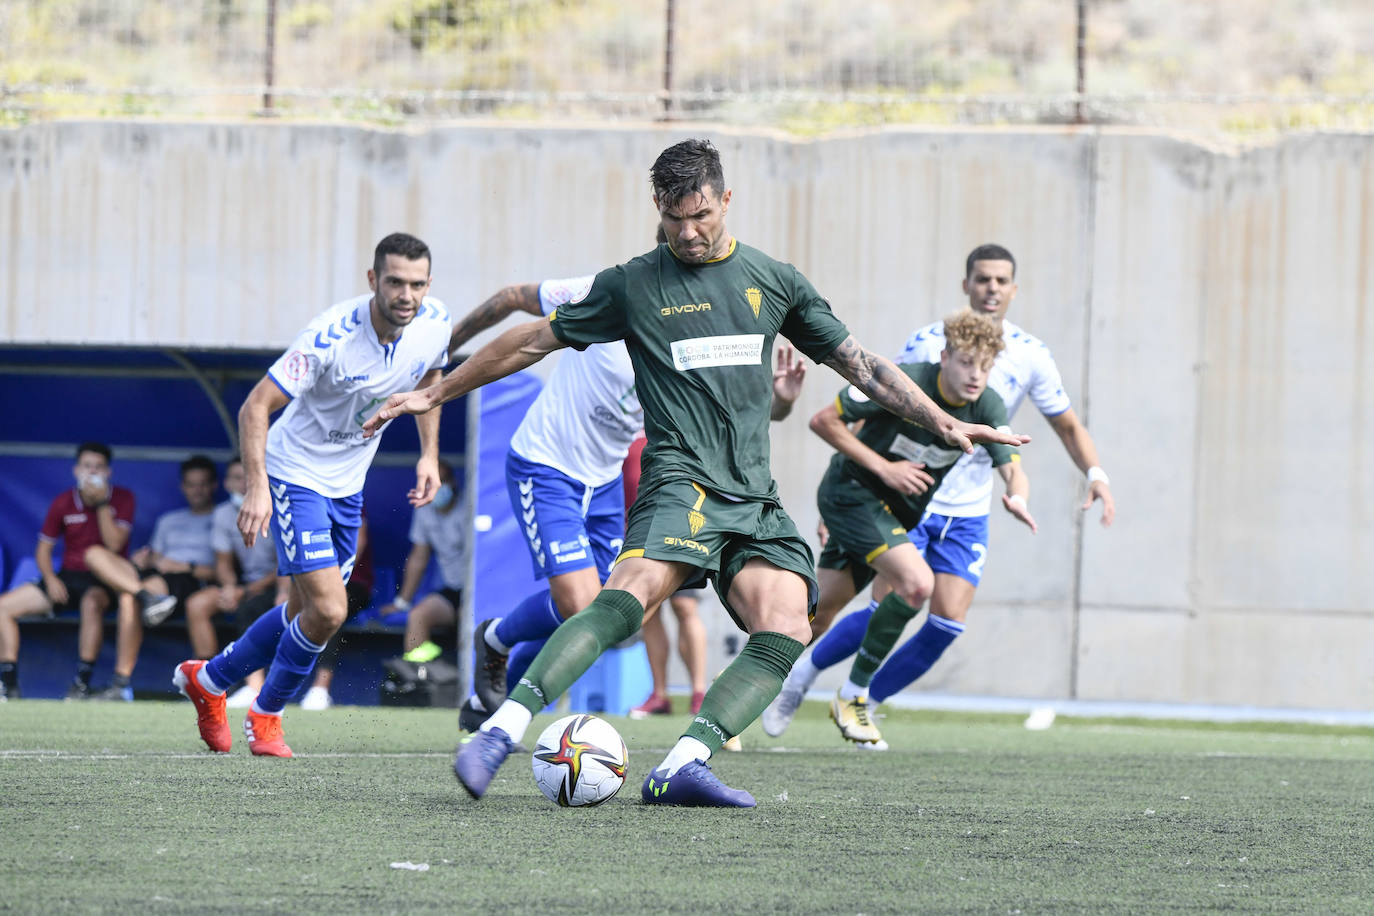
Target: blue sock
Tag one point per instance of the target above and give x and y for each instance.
(251, 651)
(534, 618)
(914, 657)
(295, 659)
(519, 659)
(843, 639)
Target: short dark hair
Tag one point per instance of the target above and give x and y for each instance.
(407, 246)
(98, 448)
(233, 460)
(988, 253)
(683, 169)
(199, 463)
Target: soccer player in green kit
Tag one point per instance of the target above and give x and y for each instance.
(868, 501)
(699, 315)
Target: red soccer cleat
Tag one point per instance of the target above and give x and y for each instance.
(210, 716)
(654, 706)
(264, 735)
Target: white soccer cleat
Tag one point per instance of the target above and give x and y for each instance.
(316, 699)
(779, 713)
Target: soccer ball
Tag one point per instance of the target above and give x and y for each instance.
(580, 760)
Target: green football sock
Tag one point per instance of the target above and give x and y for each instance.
(614, 616)
(884, 629)
(744, 689)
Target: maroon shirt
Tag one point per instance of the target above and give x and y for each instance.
(76, 524)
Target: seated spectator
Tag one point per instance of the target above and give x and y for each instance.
(435, 530)
(246, 577)
(179, 562)
(94, 514)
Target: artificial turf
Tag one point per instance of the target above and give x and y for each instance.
(113, 807)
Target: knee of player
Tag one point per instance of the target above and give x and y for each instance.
(916, 588)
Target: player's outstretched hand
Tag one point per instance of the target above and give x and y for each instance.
(1017, 507)
(254, 514)
(426, 482)
(1099, 490)
(905, 477)
(421, 401)
(967, 435)
(788, 377)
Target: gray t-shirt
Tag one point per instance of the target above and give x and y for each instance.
(443, 532)
(183, 536)
(254, 562)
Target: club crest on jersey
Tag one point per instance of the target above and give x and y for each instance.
(755, 297)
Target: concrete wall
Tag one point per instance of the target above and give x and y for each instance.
(1210, 313)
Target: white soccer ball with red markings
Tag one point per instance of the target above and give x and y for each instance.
(580, 760)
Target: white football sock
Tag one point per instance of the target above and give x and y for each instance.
(684, 752)
(511, 718)
(203, 679)
(852, 691)
(490, 636)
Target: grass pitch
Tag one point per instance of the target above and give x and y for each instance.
(113, 807)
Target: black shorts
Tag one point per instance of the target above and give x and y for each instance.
(78, 582)
(182, 586)
(253, 607)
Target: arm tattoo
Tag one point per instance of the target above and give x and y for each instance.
(519, 297)
(878, 378)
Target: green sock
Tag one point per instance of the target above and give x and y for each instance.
(614, 615)
(744, 689)
(884, 629)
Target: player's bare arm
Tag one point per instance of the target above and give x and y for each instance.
(1079, 444)
(518, 297)
(254, 417)
(519, 348)
(902, 476)
(1018, 491)
(877, 377)
(427, 468)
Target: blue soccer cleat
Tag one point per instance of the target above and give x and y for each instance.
(693, 786)
(479, 757)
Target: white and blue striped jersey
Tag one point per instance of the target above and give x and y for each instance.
(584, 420)
(337, 374)
(1024, 368)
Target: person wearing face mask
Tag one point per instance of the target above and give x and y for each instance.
(436, 531)
(94, 513)
(246, 579)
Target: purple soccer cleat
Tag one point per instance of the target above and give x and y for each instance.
(479, 757)
(693, 786)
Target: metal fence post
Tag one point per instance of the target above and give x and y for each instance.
(270, 47)
(669, 10)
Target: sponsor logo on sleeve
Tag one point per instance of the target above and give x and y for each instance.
(726, 350)
(296, 365)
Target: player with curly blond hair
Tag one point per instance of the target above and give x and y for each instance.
(871, 497)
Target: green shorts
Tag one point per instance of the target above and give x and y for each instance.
(862, 528)
(682, 522)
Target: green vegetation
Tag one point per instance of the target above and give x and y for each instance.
(808, 66)
(111, 807)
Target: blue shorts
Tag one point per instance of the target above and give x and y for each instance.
(953, 544)
(567, 524)
(313, 531)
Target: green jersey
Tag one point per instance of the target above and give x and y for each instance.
(896, 439)
(700, 337)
